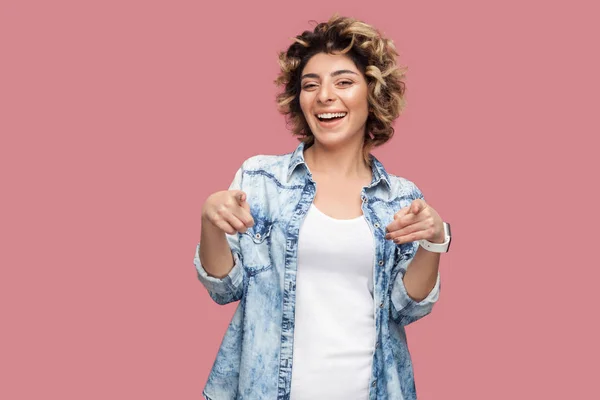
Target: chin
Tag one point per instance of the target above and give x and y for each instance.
(332, 138)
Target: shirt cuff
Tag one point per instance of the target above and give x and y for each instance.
(404, 303)
(227, 286)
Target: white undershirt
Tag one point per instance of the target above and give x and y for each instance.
(334, 335)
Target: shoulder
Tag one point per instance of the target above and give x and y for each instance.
(270, 166)
(403, 187)
(267, 162)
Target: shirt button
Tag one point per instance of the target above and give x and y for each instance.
(374, 383)
(377, 345)
(381, 305)
(380, 262)
(257, 236)
(376, 225)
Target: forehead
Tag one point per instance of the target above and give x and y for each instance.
(323, 63)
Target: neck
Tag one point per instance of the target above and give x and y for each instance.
(341, 161)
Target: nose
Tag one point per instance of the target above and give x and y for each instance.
(326, 94)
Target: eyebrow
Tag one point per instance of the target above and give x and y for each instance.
(334, 73)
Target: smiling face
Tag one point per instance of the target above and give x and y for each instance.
(333, 98)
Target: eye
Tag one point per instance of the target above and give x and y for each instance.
(345, 83)
(309, 86)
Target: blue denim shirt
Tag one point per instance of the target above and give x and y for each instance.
(255, 357)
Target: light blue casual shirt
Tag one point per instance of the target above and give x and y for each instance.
(255, 357)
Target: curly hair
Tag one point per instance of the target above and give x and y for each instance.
(374, 55)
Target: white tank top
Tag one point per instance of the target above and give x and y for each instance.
(334, 335)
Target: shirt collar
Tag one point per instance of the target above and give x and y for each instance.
(379, 172)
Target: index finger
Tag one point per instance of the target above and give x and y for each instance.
(396, 223)
(243, 214)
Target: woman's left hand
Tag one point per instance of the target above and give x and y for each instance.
(416, 222)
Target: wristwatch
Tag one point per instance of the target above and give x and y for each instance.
(438, 247)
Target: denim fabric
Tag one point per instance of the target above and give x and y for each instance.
(255, 357)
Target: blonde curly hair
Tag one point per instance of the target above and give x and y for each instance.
(374, 55)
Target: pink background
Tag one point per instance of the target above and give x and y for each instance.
(119, 118)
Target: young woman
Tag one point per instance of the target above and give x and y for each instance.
(329, 255)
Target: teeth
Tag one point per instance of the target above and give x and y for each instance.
(330, 115)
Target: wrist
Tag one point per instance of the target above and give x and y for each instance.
(207, 224)
(438, 239)
(438, 246)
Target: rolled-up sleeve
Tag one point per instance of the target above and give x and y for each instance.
(222, 290)
(406, 310)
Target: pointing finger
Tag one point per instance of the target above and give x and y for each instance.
(397, 223)
(417, 206)
(244, 215)
(402, 212)
(246, 206)
(241, 197)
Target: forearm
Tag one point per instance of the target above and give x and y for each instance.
(421, 274)
(215, 253)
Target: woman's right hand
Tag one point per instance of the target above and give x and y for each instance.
(228, 210)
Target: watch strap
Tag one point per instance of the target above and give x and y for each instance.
(438, 247)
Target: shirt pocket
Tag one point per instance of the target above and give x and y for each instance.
(256, 247)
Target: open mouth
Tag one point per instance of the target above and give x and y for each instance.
(330, 117)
